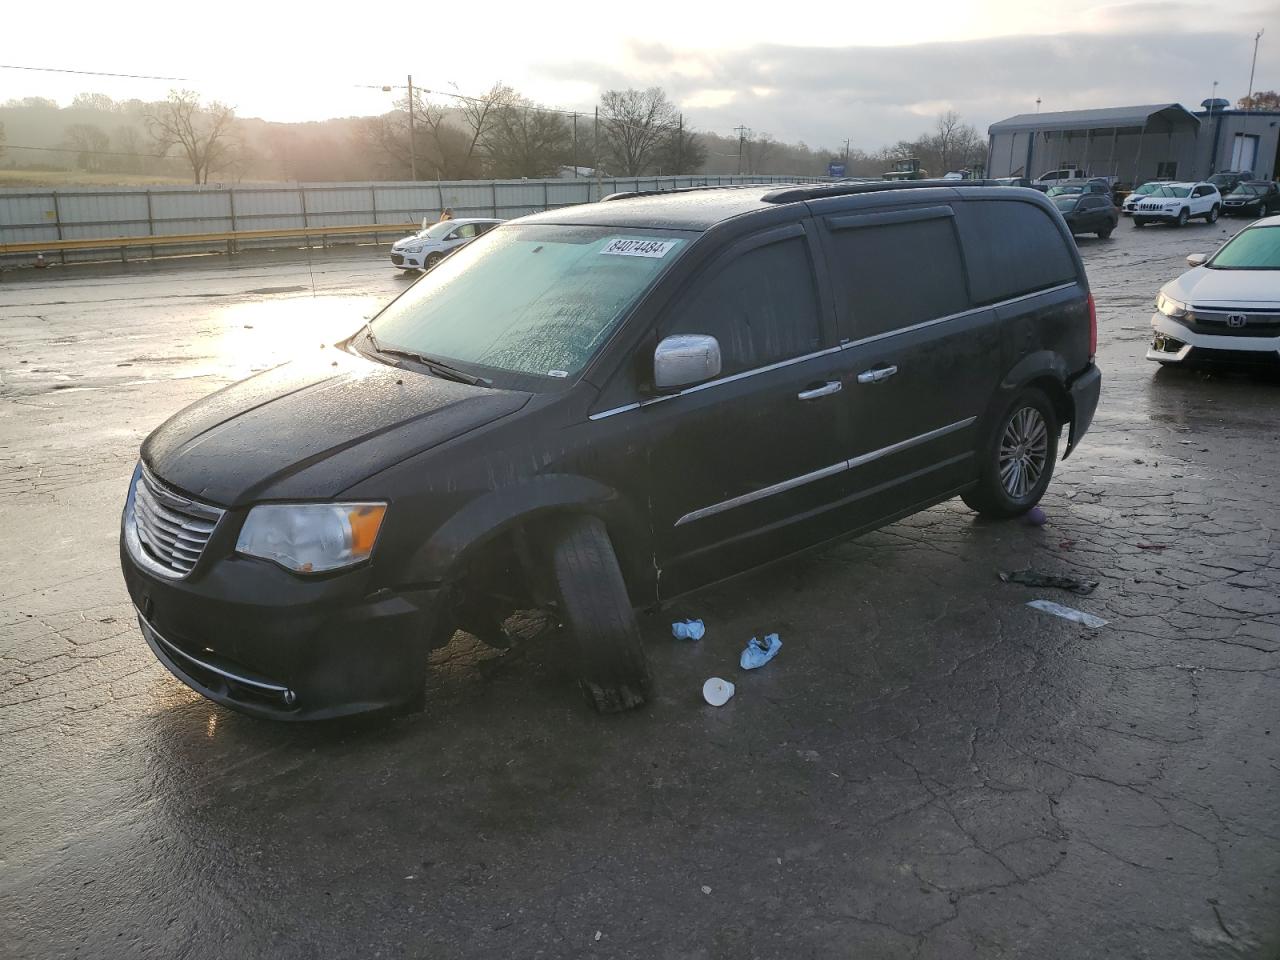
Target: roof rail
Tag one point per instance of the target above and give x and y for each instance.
(819, 190)
(632, 194)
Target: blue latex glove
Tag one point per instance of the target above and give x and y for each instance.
(757, 654)
(688, 630)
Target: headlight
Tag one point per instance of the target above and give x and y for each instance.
(414, 248)
(1174, 309)
(311, 537)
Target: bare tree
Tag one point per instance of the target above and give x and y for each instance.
(128, 140)
(1261, 100)
(636, 122)
(525, 140)
(204, 133)
(89, 143)
(682, 152)
(479, 112)
(757, 152)
(93, 101)
(952, 143)
(2, 139)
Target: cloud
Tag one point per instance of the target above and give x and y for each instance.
(877, 94)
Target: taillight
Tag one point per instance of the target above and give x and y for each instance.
(1093, 328)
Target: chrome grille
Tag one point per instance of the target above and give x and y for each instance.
(172, 530)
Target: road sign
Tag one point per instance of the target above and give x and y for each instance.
(835, 169)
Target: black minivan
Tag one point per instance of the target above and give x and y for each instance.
(601, 408)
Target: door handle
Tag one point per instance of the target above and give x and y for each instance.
(826, 390)
(876, 374)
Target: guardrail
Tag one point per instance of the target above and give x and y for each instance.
(191, 239)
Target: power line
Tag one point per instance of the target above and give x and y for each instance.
(92, 73)
(96, 153)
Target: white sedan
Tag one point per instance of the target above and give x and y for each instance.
(425, 249)
(1227, 308)
(1176, 203)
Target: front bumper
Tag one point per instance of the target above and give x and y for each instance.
(1167, 215)
(253, 637)
(1242, 210)
(407, 261)
(1173, 343)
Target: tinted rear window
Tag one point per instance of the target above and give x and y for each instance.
(1012, 248)
(893, 275)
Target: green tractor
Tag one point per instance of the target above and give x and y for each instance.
(907, 169)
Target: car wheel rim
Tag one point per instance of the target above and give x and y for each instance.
(1024, 451)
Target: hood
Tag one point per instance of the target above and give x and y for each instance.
(309, 430)
(416, 238)
(1201, 287)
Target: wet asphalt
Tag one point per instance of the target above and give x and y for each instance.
(929, 769)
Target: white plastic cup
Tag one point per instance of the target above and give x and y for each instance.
(717, 692)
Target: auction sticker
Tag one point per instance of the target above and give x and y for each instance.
(638, 247)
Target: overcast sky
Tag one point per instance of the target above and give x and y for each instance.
(872, 72)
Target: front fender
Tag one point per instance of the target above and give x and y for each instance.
(492, 514)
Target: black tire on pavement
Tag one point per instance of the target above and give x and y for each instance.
(598, 614)
(1212, 215)
(1016, 459)
(432, 260)
(1103, 234)
(1139, 222)
(1183, 216)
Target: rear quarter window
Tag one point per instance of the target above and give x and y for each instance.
(893, 275)
(1012, 248)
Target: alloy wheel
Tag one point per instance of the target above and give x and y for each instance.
(1024, 451)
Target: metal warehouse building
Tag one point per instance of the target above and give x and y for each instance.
(1136, 143)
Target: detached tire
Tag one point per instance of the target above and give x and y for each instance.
(598, 614)
(1017, 458)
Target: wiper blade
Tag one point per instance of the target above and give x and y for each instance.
(438, 367)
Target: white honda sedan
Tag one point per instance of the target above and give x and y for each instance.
(425, 249)
(1176, 203)
(1227, 308)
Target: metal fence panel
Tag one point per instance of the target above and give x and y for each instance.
(34, 214)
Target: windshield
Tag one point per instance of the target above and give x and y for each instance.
(1257, 248)
(437, 231)
(1065, 204)
(1245, 190)
(1146, 188)
(536, 299)
(1165, 190)
(1066, 188)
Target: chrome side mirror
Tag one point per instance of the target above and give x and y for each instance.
(1197, 259)
(685, 359)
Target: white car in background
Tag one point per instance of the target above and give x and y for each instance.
(1226, 309)
(433, 242)
(1176, 203)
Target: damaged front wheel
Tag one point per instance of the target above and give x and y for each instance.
(598, 614)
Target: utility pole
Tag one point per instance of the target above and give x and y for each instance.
(413, 150)
(1244, 141)
(575, 145)
(846, 154)
(679, 147)
(1256, 37)
(595, 156)
(742, 139)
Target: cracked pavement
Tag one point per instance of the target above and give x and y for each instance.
(929, 769)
